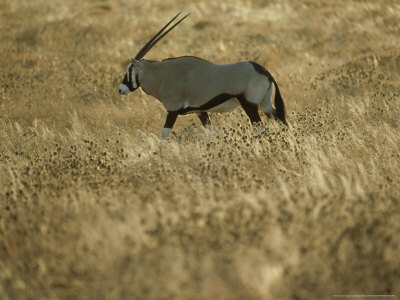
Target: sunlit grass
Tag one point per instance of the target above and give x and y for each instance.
(95, 205)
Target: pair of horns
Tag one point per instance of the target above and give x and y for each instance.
(157, 37)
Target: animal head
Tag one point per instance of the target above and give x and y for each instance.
(131, 79)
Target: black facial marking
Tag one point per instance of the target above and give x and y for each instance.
(137, 80)
(127, 80)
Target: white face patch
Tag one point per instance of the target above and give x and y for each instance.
(131, 75)
(123, 89)
(134, 83)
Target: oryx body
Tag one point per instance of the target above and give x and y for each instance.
(193, 85)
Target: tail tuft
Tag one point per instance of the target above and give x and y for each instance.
(280, 106)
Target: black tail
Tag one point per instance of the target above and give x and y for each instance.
(280, 106)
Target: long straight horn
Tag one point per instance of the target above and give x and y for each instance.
(157, 37)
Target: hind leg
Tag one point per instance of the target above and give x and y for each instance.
(266, 104)
(250, 109)
(204, 118)
(169, 123)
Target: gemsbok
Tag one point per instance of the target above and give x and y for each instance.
(190, 84)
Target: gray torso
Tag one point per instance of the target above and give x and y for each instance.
(191, 82)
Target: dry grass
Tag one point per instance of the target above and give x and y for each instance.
(95, 206)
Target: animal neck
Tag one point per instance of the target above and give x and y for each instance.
(149, 77)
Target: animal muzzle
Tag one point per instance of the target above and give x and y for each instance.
(123, 89)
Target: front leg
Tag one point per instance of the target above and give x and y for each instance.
(169, 123)
(204, 118)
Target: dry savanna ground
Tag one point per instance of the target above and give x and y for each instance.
(93, 205)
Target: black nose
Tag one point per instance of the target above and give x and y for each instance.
(120, 91)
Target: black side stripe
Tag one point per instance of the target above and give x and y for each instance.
(218, 100)
(251, 109)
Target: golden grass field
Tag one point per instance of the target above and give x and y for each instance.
(94, 205)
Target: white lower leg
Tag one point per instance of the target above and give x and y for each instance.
(165, 132)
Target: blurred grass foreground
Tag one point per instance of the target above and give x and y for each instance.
(93, 205)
